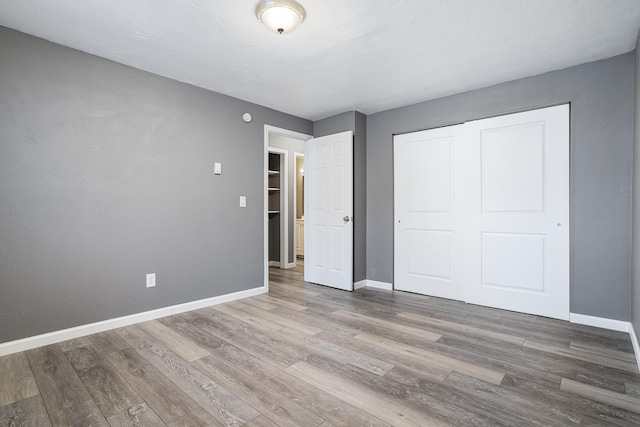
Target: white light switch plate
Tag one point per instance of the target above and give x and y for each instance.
(243, 201)
(217, 168)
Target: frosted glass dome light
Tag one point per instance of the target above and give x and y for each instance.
(280, 16)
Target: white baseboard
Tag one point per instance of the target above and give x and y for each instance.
(636, 345)
(274, 263)
(119, 322)
(359, 285)
(600, 322)
(379, 285)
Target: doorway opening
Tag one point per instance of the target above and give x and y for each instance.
(282, 148)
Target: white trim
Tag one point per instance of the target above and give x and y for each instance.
(268, 130)
(379, 285)
(274, 264)
(600, 322)
(359, 285)
(119, 322)
(296, 155)
(634, 341)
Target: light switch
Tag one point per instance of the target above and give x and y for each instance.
(243, 201)
(217, 168)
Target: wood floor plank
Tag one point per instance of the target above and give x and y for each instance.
(619, 400)
(206, 392)
(273, 405)
(177, 343)
(391, 326)
(341, 354)
(509, 408)
(441, 400)
(480, 372)
(74, 343)
(601, 351)
(16, 379)
(81, 414)
(319, 319)
(253, 339)
(136, 416)
(198, 331)
(433, 371)
(443, 326)
(260, 303)
(380, 406)
(282, 303)
(162, 395)
(59, 385)
(271, 317)
(320, 403)
(107, 342)
(261, 421)
(29, 412)
(583, 355)
(632, 388)
(198, 418)
(111, 393)
(584, 411)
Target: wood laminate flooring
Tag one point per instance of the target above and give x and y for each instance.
(306, 355)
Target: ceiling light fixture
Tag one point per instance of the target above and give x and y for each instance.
(280, 16)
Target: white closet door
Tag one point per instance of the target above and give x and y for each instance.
(518, 212)
(429, 212)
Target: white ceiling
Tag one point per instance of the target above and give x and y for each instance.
(365, 55)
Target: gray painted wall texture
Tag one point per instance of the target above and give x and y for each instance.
(356, 122)
(635, 300)
(106, 173)
(601, 96)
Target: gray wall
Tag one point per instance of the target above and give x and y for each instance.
(635, 300)
(601, 96)
(292, 146)
(106, 173)
(356, 122)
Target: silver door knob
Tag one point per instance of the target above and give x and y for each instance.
(346, 219)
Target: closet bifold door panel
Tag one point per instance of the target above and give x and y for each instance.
(499, 189)
(429, 212)
(518, 221)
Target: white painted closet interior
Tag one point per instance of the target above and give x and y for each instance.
(481, 212)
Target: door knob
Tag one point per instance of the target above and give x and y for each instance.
(346, 218)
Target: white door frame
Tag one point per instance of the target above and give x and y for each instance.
(296, 155)
(268, 131)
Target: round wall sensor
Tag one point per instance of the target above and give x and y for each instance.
(246, 117)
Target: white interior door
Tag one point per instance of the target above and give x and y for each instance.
(429, 210)
(328, 242)
(518, 238)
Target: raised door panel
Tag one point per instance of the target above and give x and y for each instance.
(429, 212)
(518, 241)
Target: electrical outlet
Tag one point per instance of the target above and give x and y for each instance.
(151, 280)
(243, 201)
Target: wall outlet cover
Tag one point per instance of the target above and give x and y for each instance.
(151, 280)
